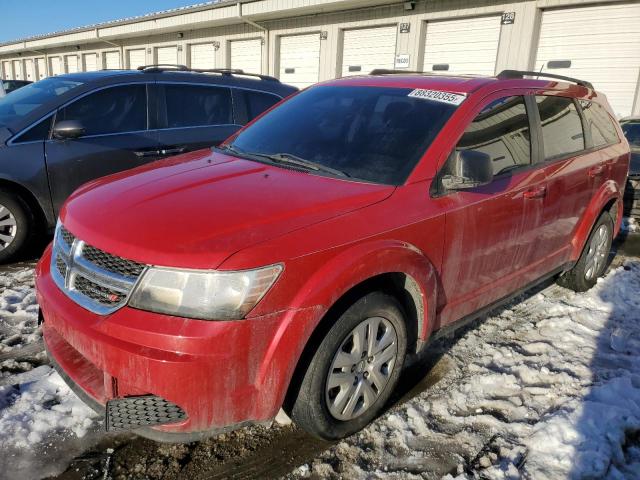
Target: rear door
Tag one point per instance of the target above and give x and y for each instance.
(116, 138)
(491, 230)
(193, 116)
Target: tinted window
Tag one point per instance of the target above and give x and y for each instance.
(561, 126)
(632, 132)
(256, 103)
(371, 133)
(501, 130)
(598, 121)
(112, 110)
(36, 133)
(32, 96)
(193, 106)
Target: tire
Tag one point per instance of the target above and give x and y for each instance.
(319, 409)
(593, 260)
(16, 226)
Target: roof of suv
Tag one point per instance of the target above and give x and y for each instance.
(232, 78)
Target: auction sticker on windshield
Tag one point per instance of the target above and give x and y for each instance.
(438, 96)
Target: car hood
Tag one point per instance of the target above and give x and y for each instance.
(196, 210)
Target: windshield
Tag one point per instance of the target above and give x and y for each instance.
(370, 133)
(25, 99)
(632, 132)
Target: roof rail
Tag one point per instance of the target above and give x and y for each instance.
(232, 71)
(386, 71)
(161, 67)
(507, 74)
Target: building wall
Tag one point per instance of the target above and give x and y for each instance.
(222, 24)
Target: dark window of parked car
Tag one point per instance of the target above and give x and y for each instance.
(375, 134)
(112, 110)
(501, 130)
(599, 122)
(32, 96)
(195, 106)
(632, 132)
(253, 104)
(37, 133)
(561, 126)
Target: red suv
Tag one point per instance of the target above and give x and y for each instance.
(300, 263)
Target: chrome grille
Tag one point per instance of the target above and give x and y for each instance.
(96, 280)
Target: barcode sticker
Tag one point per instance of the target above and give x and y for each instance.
(438, 96)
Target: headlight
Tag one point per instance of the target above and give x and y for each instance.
(208, 295)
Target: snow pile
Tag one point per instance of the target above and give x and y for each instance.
(630, 224)
(38, 411)
(546, 389)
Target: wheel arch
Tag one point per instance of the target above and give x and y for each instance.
(30, 199)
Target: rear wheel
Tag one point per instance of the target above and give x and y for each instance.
(16, 224)
(354, 370)
(593, 260)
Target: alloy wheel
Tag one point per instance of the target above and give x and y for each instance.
(361, 368)
(597, 254)
(8, 227)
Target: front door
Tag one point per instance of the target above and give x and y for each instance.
(492, 230)
(116, 138)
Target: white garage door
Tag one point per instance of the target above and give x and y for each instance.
(368, 48)
(247, 55)
(7, 74)
(203, 56)
(72, 63)
(112, 60)
(603, 45)
(167, 55)
(300, 59)
(468, 45)
(55, 65)
(30, 70)
(17, 70)
(42, 69)
(136, 58)
(90, 62)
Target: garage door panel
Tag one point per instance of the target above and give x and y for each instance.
(112, 60)
(167, 55)
(41, 66)
(603, 45)
(468, 45)
(247, 55)
(90, 62)
(137, 58)
(368, 49)
(300, 59)
(203, 56)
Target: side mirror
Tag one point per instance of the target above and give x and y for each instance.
(68, 129)
(468, 169)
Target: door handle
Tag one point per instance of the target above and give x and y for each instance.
(595, 171)
(147, 153)
(536, 192)
(172, 151)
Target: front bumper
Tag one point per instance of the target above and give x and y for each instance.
(221, 374)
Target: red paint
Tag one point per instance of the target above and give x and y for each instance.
(210, 211)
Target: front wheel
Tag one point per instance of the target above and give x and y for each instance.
(593, 260)
(354, 370)
(16, 225)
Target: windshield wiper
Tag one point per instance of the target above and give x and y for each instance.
(290, 159)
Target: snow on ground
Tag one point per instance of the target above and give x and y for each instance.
(545, 389)
(630, 225)
(38, 412)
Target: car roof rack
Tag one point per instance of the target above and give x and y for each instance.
(387, 71)
(509, 74)
(183, 68)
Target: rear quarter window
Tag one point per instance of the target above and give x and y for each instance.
(600, 124)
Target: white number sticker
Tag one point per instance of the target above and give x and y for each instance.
(438, 96)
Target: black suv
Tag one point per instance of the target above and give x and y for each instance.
(63, 131)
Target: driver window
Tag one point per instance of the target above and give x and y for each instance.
(112, 110)
(501, 130)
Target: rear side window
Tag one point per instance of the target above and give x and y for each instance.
(253, 104)
(501, 130)
(112, 110)
(597, 120)
(561, 126)
(197, 106)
